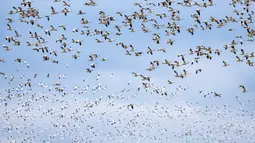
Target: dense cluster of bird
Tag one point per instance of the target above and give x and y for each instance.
(110, 115)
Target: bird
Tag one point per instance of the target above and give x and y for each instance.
(53, 11)
(217, 94)
(131, 106)
(225, 64)
(243, 88)
(170, 82)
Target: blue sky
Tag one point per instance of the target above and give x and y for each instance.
(161, 113)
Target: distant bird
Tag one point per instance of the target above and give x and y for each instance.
(217, 94)
(170, 82)
(225, 64)
(243, 88)
(131, 106)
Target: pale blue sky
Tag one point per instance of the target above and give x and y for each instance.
(214, 77)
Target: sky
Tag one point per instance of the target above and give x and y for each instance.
(156, 118)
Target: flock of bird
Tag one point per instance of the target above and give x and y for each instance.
(65, 114)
